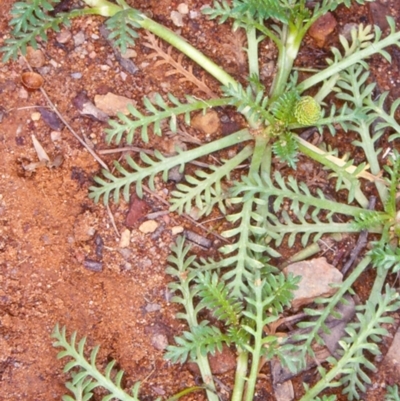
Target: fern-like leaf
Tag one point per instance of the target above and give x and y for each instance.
(202, 338)
(283, 107)
(385, 256)
(363, 336)
(136, 174)
(81, 389)
(88, 376)
(122, 27)
(215, 296)
(30, 21)
(303, 203)
(392, 393)
(156, 114)
(263, 9)
(242, 259)
(205, 190)
(253, 106)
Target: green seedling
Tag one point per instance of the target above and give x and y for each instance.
(243, 287)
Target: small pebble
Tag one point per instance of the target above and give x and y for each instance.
(177, 230)
(177, 18)
(183, 8)
(54, 63)
(63, 36)
(347, 28)
(322, 28)
(93, 265)
(79, 39)
(125, 239)
(148, 226)
(55, 136)
(76, 75)
(35, 116)
(130, 53)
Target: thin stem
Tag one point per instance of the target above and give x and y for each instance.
(240, 375)
(335, 163)
(377, 289)
(264, 30)
(180, 44)
(258, 334)
(336, 68)
(326, 88)
(252, 52)
(259, 153)
(108, 9)
(292, 36)
(368, 146)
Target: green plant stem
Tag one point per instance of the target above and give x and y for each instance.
(377, 288)
(292, 35)
(348, 61)
(326, 88)
(368, 146)
(252, 52)
(108, 9)
(258, 310)
(103, 7)
(180, 44)
(261, 142)
(184, 392)
(240, 375)
(321, 157)
(304, 254)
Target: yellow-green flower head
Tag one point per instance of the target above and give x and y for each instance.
(307, 111)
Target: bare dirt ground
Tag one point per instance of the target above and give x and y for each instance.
(53, 237)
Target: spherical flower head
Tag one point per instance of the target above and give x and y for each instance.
(307, 111)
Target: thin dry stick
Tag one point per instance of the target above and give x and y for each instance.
(178, 68)
(148, 152)
(89, 149)
(111, 216)
(52, 105)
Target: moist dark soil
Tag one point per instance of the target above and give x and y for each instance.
(60, 254)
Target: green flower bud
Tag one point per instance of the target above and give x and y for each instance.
(307, 111)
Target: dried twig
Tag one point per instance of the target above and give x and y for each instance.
(178, 68)
(54, 108)
(147, 151)
(236, 45)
